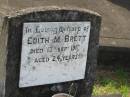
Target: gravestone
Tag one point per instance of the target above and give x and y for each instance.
(51, 50)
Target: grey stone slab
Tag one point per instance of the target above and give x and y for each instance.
(115, 42)
(49, 14)
(2, 88)
(3, 54)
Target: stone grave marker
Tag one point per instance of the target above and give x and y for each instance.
(49, 50)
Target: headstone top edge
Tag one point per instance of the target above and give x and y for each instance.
(47, 8)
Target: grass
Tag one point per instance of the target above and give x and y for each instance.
(112, 82)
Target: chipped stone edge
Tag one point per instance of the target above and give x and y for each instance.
(47, 8)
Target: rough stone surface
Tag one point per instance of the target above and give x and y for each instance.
(14, 52)
(3, 53)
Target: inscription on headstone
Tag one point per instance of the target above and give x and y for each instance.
(50, 50)
(53, 52)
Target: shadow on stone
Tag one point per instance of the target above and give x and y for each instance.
(123, 3)
(114, 56)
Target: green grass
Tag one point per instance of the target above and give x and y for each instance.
(112, 84)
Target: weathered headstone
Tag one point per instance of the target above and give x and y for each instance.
(49, 49)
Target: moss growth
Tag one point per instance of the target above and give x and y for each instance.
(112, 82)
